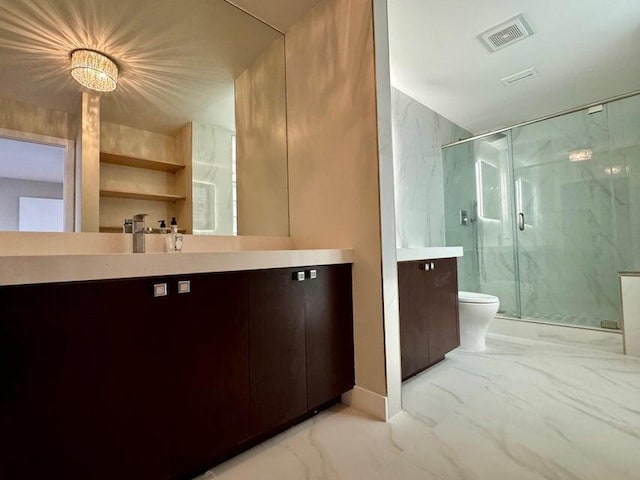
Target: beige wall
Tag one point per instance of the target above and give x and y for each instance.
(261, 145)
(333, 158)
(23, 117)
(133, 142)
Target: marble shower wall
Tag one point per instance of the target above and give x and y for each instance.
(418, 134)
(460, 194)
(488, 264)
(567, 252)
(495, 223)
(212, 186)
(580, 227)
(624, 139)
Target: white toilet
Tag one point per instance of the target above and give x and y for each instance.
(476, 312)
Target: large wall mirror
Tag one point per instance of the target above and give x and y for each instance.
(195, 128)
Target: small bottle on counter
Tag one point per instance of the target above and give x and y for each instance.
(163, 226)
(174, 239)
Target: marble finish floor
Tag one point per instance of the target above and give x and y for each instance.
(523, 410)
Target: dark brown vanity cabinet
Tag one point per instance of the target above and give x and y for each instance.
(208, 408)
(83, 381)
(277, 348)
(301, 341)
(102, 380)
(428, 299)
(329, 335)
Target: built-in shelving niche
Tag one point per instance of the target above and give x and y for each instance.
(131, 185)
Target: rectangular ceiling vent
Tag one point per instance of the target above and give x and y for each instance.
(505, 34)
(520, 76)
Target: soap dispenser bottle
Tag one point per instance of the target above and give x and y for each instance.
(175, 239)
(163, 226)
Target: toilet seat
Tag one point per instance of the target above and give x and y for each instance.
(472, 297)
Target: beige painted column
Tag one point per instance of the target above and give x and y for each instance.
(88, 165)
(184, 177)
(333, 167)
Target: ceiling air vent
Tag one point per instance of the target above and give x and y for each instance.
(520, 76)
(505, 34)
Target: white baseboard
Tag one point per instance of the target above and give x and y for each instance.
(367, 401)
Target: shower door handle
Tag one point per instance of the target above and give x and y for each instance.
(521, 221)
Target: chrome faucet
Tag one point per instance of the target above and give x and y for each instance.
(138, 232)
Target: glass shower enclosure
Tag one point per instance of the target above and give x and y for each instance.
(545, 214)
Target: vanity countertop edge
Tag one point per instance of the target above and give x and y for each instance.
(427, 253)
(22, 270)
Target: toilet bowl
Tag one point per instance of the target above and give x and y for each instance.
(476, 312)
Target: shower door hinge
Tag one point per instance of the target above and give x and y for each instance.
(609, 324)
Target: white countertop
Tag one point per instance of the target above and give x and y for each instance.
(428, 253)
(24, 269)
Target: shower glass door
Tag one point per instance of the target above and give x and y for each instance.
(479, 216)
(566, 253)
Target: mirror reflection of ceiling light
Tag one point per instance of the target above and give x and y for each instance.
(580, 155)
(94, 70)
(615, 170)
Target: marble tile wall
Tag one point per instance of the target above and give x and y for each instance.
(418, 134)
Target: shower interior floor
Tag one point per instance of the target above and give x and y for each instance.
(580, 321)
(536, 329)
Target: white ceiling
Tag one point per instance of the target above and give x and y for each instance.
(583, 50)
(178, 60)
(281, 14)
(31, 161)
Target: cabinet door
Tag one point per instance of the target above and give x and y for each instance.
(276, 348)
(414, 290)
(82, 378)
(444, 328)
(131, 362)
(47, 384)
(209, 371)
(329, 334)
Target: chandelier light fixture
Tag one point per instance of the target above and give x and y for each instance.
(94, 70)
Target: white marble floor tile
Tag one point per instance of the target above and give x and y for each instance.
(522, 410)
